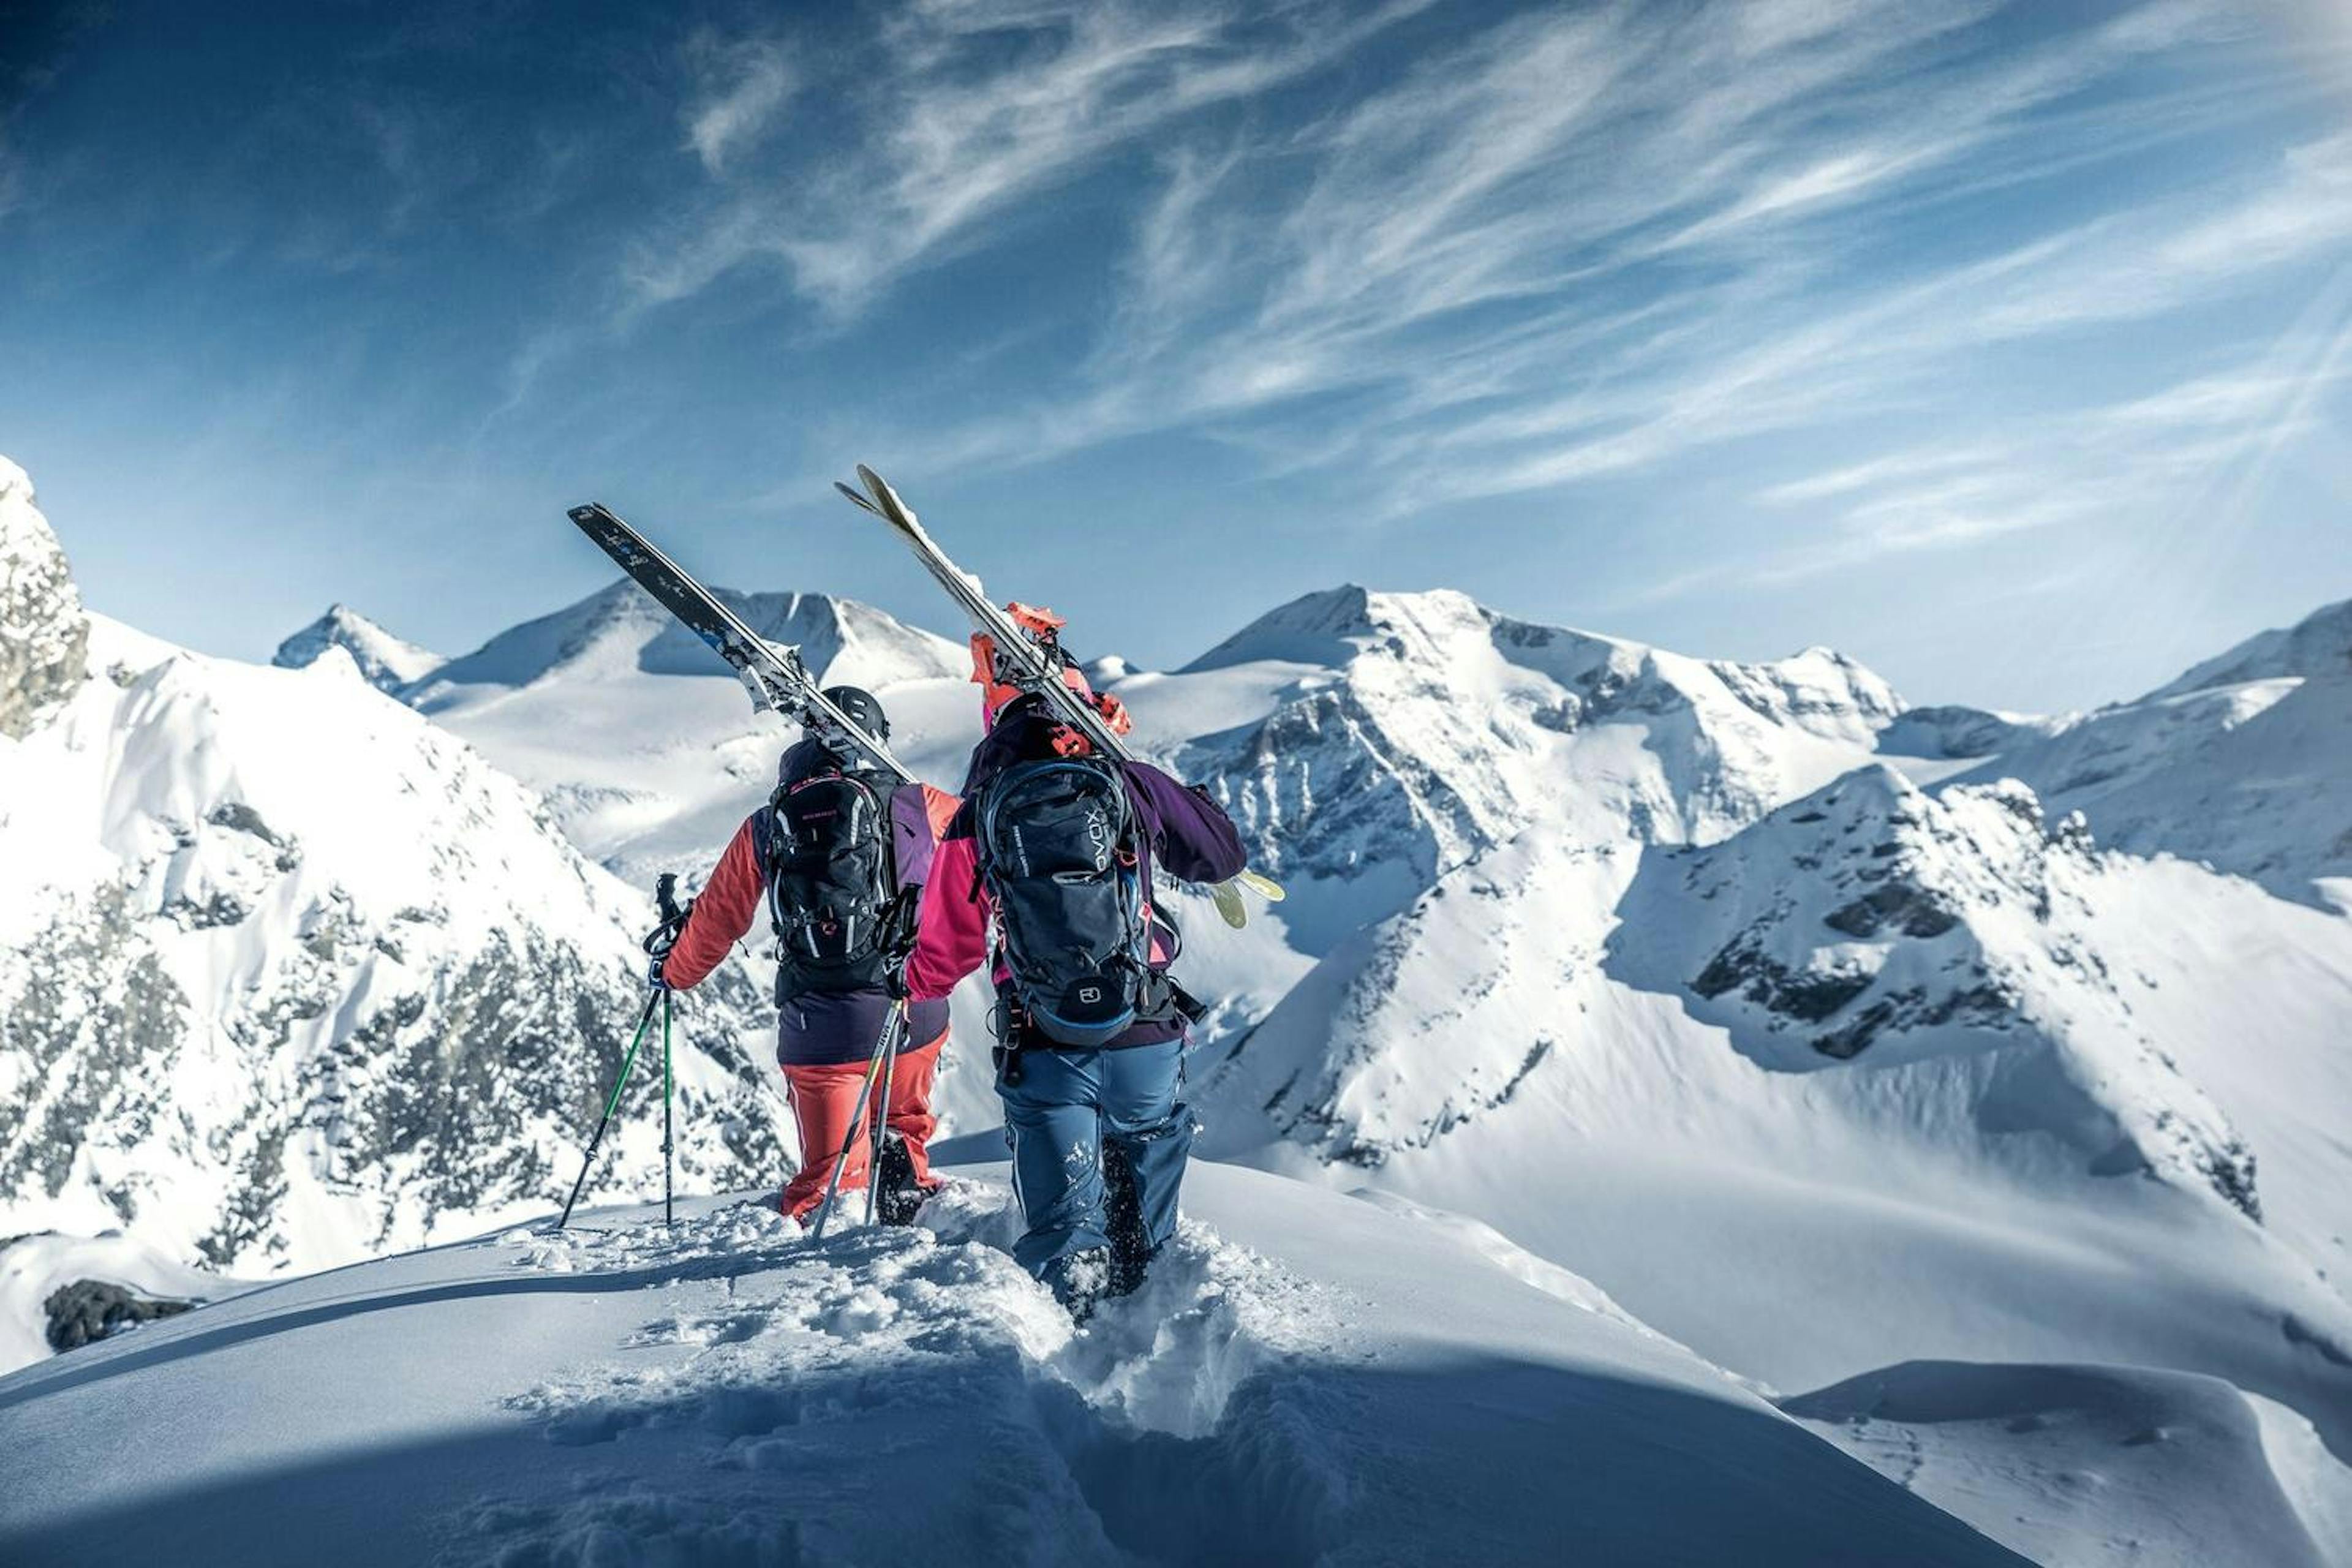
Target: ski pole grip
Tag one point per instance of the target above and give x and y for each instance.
(666, 895)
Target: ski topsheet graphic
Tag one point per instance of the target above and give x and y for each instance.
(1033, 667)
(773, 673)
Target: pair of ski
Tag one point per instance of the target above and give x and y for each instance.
(780, 682)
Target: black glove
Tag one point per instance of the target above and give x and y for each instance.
(894, 980)
(659, 941)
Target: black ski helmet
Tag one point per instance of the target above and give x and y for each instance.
(861, 708)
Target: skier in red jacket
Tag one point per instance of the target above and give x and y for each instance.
(841, 940)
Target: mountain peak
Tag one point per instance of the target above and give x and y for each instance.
(2319, 644)
(1333, 625)
(44, 635)
(619, 630)
(388, 663)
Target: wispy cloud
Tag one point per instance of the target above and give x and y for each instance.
(1565, 246)
(740, 85)
(2195, 449)
(984, 103)
(1582, 244)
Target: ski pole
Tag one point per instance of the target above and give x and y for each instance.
(668, 1217)
(858, 1122)
(645, 1022)
(881, 1120)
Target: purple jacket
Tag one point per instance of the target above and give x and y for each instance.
(1187, 835)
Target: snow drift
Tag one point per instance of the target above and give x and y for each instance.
(1306, 1378)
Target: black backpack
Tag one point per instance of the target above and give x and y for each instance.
(841, 919)
(1057, 853)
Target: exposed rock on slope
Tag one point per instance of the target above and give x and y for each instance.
(293, 976)
(289, 975)
(1871, 917)
(44, 636)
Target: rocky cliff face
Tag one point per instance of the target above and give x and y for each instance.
(44, 636)
(292, 976)
(289, 975)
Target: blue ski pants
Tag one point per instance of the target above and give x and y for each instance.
(1066, 1107)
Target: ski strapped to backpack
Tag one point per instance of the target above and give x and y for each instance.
(1024, 659)
(842, 870)
(773, 673)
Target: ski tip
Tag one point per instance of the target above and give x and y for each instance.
(885, 500)
(1230, 908)
(584, 511)
(1264, 886)
(860, 500)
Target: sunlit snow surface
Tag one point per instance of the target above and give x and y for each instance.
(1305, 1378)
(1742, 990)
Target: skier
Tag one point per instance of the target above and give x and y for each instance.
(840, 857)
(1052, 849)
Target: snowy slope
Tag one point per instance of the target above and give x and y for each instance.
(643, 741)
(1878, 1077)
(291, 975)
(1307, 1378)
(2317, 646)
(2240, 763)
(288, 976)
(2094, 1466)
(385, 661)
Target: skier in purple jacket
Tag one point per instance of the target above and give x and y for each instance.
(1100, 1138)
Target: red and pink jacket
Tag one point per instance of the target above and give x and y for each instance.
(813, 1030)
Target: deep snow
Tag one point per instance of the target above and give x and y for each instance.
(1305, 1378)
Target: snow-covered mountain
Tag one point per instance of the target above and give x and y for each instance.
(640, 740)
(1785, 1012)
(384, 661)
(1386, 738)
(289, 975)
(2240, 763)
(1689, 988)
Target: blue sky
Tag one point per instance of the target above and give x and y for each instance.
(2003, 347)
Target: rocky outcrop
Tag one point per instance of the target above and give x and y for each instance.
(89, 1310)
(44, 635)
